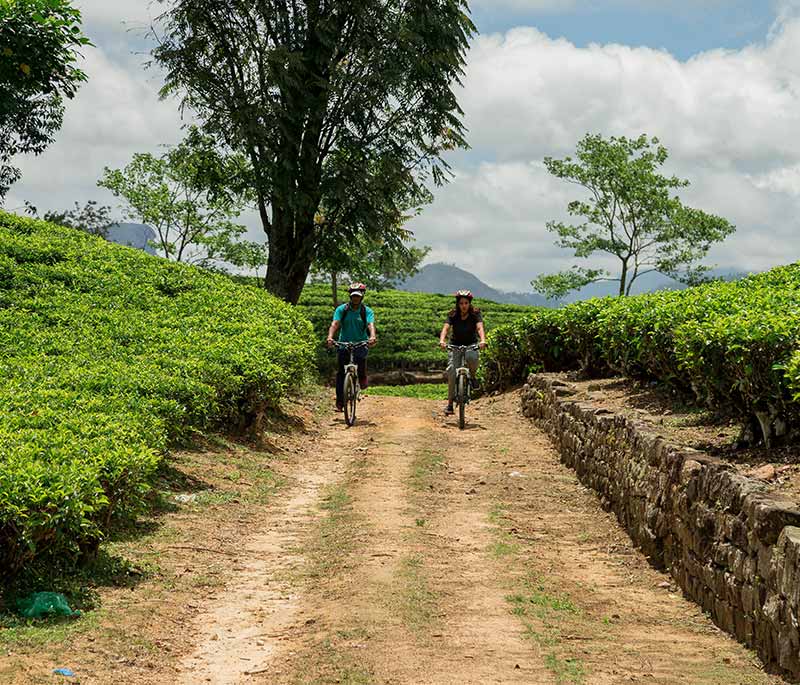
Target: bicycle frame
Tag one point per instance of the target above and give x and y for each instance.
(350, 347)
(462, 369)
(351, 380)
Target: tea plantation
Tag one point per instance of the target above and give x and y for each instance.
(107, 357)
(408, 325)
(733, 347)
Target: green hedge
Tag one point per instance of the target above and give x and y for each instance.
(729, 346)
(108, 355)
(408, 325)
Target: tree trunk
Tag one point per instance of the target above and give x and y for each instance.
(290, 256)
(623, 279)
(335, 288)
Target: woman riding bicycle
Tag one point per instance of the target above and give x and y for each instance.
(357, 324)
(467, 324)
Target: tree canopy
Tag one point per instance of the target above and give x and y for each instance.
(629, 212)
(39, 48)
(378, 263)
(190, 195)
(323, 97)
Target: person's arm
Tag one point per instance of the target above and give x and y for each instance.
(332, 331)
(443, 336)
(373, 336)
(481, 335)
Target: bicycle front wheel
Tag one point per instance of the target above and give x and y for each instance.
(350, 400)
(462, 400)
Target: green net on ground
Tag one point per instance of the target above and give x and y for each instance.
(41, 604)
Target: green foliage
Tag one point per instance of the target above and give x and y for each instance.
(558, 285)
(39, 43)
(420, 391)
(377, 262)
(344, 108)
(108, 356)
(408, 325)
(246, 254)
(729, 346)
(630, 213)
(189, 195)
(91, 218)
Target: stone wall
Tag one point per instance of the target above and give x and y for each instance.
(731, 545)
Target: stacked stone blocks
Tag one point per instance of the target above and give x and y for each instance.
(730, 544)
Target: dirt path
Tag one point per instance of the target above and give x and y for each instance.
(410, 552)
(406, 551)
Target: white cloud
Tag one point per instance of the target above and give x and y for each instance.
(731, 120)
(115, 114)
(784, 180)
(117, 15)
(563, 6)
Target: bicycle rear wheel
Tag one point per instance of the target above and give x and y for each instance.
(462, 400)
(350, 400)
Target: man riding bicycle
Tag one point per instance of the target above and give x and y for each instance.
(467, 324)
(355, 323)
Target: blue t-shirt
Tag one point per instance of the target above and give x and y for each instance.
(352, 326)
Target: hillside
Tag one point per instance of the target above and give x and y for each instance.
(109, 356)
(408, 324)
(447, 278)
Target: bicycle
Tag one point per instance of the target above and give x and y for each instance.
(352, 387)
(463, 380)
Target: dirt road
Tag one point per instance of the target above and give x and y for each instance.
(406, 551)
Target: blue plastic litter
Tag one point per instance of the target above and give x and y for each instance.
(65, 672)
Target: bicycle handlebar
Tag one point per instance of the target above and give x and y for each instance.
(349, 345)
(474, 346)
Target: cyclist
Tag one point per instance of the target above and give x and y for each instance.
(467, 324)
(355, 323)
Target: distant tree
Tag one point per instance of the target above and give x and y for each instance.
(190, 195)
(631, 214)
(320, 96)
(379, 263)
(244, 254)
(39, 44)
(91, 218)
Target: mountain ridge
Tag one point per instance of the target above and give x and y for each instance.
(442, 278)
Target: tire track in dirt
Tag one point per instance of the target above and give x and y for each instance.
(240, 634)
(411, 552)
(418, 602)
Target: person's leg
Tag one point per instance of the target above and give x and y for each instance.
(451, 379)
(361, 361)
(342, 358)
(472, 365)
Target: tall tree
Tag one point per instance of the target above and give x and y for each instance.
(190, 195)
(320, 95)
(630, 213)
(39, 47)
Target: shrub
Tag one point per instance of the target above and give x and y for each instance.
(408, 325)
(729, 346)
(108, 356)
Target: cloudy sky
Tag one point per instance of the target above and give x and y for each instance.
(718, 81)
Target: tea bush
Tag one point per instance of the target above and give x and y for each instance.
(729, 346)
(408, 325)
(107, 356)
